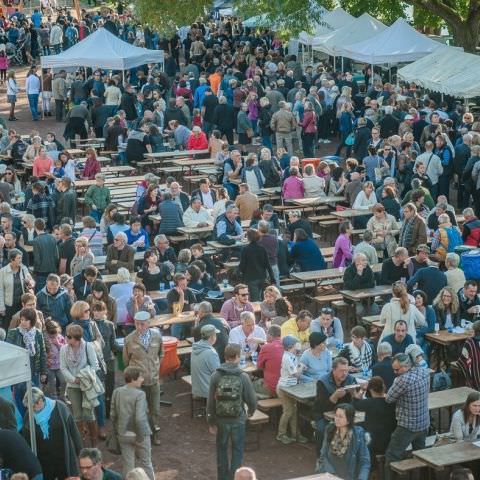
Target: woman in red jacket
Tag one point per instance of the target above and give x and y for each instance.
(92, 165)
(309, 130)
(197, 140)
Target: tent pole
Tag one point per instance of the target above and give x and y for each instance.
(123, 78)
(334, 63)
(31, 421)
(466, 105)
(342, 66)
(41, 89)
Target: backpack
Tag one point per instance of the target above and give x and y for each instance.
(441, 381)
(228, 396)
(454, 239)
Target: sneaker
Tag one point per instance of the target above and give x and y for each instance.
(327, 141)
(285, 439)
(302, 439)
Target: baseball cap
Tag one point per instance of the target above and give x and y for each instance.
(142, 316)
(289, 341)
(208, 330)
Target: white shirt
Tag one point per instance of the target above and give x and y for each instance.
(32, 85)
(288, 370)
(12, 88)
(208, 200)
(237, 335)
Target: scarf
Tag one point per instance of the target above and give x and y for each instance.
(362, 358)
(406, 233)
(77, 358)
(145, 338)
(339, 445)
(29, 339)
(42, 418)
(87, 330)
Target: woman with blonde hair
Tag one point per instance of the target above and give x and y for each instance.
(447, 308)
(400, 308)
(12, 91)
(83, 256)
(267, 307)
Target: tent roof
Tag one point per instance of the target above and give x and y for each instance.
(14, 365)
(448, 71)
(359, 29)
(398, 43)
(331, 21)
(103, 49)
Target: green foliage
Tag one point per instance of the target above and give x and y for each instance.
(387, 11)
(167, 15)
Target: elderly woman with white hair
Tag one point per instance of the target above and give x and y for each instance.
(121, 292)
(270, 168)
(197, 140)
(56, 433)
(455, 275)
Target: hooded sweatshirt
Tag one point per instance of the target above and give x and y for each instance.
(56, 306)
(248, 393)
(204, 362)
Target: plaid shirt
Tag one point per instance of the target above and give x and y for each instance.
(410, 392)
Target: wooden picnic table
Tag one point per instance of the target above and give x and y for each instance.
(84, 184)
(445, 338)
(367, 293)
(302, 392)
(117, 169)
(311, 202)
(111, 278)
(170, 319)
(271, 190)
(192, 232)
(175, 153)
(327, 274)
(101, 159)
(450, 454)
(189, 162)
(448, 398)
(74, 152)
(350, 213)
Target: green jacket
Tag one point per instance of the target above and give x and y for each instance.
(38, 362)
(98, 196)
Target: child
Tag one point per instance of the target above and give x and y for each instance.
(3, 66)
(417, 355)
(215, 143)
(196, 118)
(57, 169)
(54, 341)
(290, 371)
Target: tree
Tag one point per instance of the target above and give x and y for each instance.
(168, 15)
(462, 17)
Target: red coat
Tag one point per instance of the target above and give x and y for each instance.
(197, 143)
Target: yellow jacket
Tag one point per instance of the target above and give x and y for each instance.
(290, 328)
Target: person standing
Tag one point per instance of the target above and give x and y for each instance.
(130, 422)
(32, 88)
(59, 91)
(144, 348)
(410, 393)
(230, 389)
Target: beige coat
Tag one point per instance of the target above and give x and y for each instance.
(390, 225)
(129, 412)
(6, 284)
(247, 203)
(149, 360)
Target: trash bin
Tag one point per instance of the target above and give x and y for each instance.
(170, 361)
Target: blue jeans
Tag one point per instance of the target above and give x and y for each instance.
(181, 330)
(33, 103)
(267, 141)
(320, 426)
(232, 190)
(100, 411)
(234, 432)
(399, 441)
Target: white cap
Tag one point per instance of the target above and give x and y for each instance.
(142, 316)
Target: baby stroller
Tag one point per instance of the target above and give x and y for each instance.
(14, 53)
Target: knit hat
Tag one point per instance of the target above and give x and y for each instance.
(414, 351)
(289, 341)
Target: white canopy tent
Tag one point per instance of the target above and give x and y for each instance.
(447, 71)
(331, 21)
(360, 29)
(103, 49)
(14, 369)
(398, 43)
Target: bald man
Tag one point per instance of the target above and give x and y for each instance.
(245, 473)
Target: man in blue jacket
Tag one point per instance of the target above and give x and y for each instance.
(54, 301)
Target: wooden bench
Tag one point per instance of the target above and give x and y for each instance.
(268, 404)
(197, 404)
(183, 351)
(256, 421)
(293, 287)
(407, 466)
(177, 238)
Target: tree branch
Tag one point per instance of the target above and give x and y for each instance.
(439, 8)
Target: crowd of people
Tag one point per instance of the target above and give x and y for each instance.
(411, 168)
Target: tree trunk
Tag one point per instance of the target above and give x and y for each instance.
(466, 35)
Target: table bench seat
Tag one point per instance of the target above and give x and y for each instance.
(268, 403)
(183, 351)
(403, 467)
(325, 299)
(293, 287)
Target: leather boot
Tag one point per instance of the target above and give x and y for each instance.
(93, 433)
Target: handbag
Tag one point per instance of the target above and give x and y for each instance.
(249, 132)
(112, 444)
(350, 140)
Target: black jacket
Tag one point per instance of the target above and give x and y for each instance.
(222, 337)
(17, 455)
(271, 171)
(175, 114)
(353, 281)
(389, 126)
(7, 415)
(127, 104)
(384, 369)
(254, 264)
(462, 154)
(198, 193)
(224, 117)
(362, 137)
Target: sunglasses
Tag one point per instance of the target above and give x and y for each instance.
(327, 311)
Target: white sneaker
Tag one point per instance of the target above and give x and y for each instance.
(327, 141)
(321, 140)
